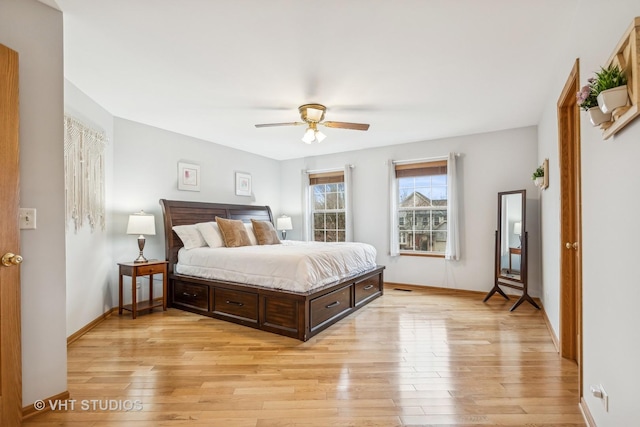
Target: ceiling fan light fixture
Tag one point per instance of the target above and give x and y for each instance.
(309, 136)
(314, 115)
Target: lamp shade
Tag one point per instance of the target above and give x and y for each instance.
(141, 223)
(284, 223)
(314, 114)
(517, 228)
(309, 136)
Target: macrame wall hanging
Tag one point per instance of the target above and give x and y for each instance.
(84, 174)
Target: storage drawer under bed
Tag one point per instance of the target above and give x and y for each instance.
(192, 295)
(237, 304)
(367, 289)
(330, 306)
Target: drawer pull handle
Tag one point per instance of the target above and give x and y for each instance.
(366, 288)
(239, 304)
(187, 294)
(333, 304)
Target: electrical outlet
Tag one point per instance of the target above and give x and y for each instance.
(138, 283)
(598, 392)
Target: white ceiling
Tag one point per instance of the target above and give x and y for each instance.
(415, 69)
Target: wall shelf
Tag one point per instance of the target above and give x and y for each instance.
(627, 56)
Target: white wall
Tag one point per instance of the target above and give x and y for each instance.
(490, 163)
(146, 160)
(609, 223)
(141, 168)
(35, 32)
(89, 262)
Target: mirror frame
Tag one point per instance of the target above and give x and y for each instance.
(523, 237)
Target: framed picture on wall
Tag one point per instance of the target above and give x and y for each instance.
(243, 184)
(188, 177)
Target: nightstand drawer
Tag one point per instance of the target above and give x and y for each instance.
(330, 306)
(145, 270)
(196, 296)
(237, 304)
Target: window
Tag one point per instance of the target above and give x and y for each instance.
(422, 207)
(328, 213)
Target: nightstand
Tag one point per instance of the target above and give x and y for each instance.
(135, 269)
(514, 251)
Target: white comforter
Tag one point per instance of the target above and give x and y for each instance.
(294, 266)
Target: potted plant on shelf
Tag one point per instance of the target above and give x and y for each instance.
(587, 100)
(611, 87)
(538, 176)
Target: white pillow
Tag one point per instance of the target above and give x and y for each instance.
(252, 236)
(190, 236)
(211, 234)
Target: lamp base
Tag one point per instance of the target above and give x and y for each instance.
(284, 234)
(141, 257)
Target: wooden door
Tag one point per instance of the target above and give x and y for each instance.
(10, 341)
(570, 222)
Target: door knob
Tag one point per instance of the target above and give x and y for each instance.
(10, 259)
(570, 245)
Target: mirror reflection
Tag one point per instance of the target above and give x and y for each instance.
(511, 228)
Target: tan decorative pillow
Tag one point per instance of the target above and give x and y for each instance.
(265, 233)
(233, 232)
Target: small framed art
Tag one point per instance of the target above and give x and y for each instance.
(243, 184)
(188, 177)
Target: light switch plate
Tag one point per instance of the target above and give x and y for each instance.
(27, 219)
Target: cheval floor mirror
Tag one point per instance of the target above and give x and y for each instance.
(511, 247)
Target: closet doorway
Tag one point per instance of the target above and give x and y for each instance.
(570, 222)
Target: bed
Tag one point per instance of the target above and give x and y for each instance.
(296, 310)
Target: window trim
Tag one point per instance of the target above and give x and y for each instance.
(417, 169)
(422, 254)
(324, 178)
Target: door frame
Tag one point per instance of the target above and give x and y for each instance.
(570, 222)
(10, 334)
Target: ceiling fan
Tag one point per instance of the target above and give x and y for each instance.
(312, 116)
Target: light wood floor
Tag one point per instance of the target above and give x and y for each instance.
(422, 358)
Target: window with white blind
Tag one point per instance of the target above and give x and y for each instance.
(328, 210)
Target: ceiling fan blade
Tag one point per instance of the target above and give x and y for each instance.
(345, 125)
(268, 125)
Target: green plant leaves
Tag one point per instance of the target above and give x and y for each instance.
(538, 173)
(608, 78)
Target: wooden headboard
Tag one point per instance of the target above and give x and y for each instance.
(176, 212)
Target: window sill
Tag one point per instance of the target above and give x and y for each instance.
(422, 254)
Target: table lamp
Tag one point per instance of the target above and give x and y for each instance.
(517, 230)
(283, 224)
(141, 223)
